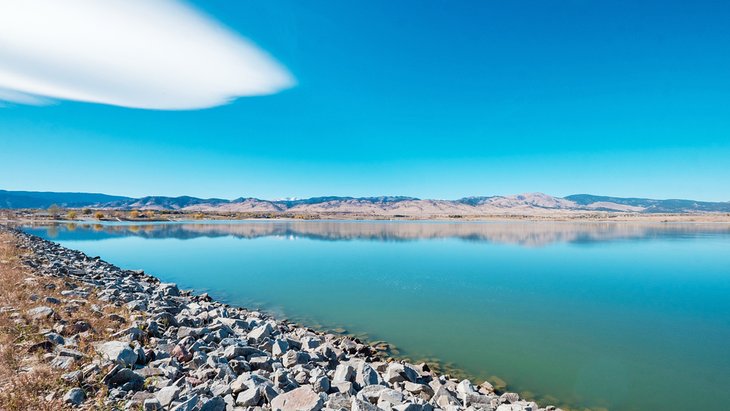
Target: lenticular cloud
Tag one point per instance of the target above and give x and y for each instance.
(154, 54)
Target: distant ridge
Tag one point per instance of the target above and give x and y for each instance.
(528, 203)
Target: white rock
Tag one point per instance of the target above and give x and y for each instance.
(117, 351)
(167, 395)
(300, 399)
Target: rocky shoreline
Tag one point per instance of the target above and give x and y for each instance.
(185, 352)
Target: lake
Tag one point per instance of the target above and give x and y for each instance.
(617, 316)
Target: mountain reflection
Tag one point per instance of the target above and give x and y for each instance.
(520, 233)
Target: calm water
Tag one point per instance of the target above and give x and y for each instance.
(625, 316)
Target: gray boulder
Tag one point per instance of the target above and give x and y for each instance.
(343, 372)
(249, 397)
(167, 395)
(118, 351)
(74, 397)
(40, 313)
(300, 399)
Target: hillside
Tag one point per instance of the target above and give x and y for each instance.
(519, 204)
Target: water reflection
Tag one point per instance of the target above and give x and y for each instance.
(532, 234)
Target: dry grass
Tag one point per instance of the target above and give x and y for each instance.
(27, 382)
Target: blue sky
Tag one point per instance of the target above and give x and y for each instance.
(431, 99)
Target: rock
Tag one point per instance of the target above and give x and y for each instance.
(124, 377)
(486, 387)
(443, 398)
(249, 397)
(416, 407)
(515, 407)
(360, 405)
(118, 351)
(343, 372)
(465, 388)
(338, 401)
(321, 384)
(371, 393)
(279, 347)
(300, 399)
(167, 395)
(63, 363)
(260, 363)
(397, 372)
(344, 387)
(366, 375)
(423, 391)
(73, 377)
(43, 346)
(169, 289)
(40, 313)
(67, 352)
(181, 354)
(52, 300)
(55, 338)
(389, 398)
(509, 397)
(292, 358)
(189, 405)
(214, 404)
(151, 404)
(74, 396)
(260, 332)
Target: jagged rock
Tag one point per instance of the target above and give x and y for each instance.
(343, 372)
(259, 333)
(300, 399)
(279, 347)
(181, 354)
(214, 404)
(338, 401)
(366, 375)
(371, 393)
(167, 395)
(151, 404)
(118, 351)
(443, 398)
(397, 372)
(389, 398)
(509, 397)
(465, 388)
(486, 387)
(40, 313)
(249, 397)
(423, 391)
(189, 405)
(74, 396)
(321, 384)
(416, 407)
(360, 405)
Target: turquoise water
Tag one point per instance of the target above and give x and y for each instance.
(624, 316)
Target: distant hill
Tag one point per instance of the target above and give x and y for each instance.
(651, 206)
(43, 199)
(519, 204)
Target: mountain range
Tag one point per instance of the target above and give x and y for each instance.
(528, 204)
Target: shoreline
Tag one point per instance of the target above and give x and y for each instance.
(214, 356)
(165, 216)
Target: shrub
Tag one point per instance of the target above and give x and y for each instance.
(53, 210)
(134, 214)
(98, 215)
(71, 215)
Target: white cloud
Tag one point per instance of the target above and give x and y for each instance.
(154, 54)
